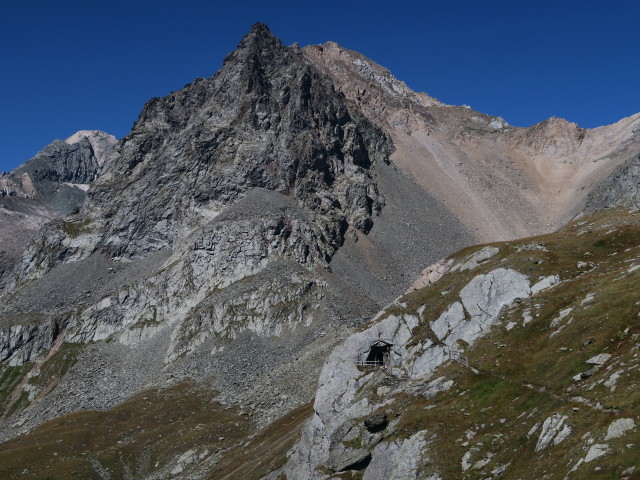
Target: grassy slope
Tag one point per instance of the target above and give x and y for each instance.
(524, 375)
(143, 434)
(147, 434)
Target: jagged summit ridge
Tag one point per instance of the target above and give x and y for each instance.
(371, 71)
(100, 142)
(267, 119)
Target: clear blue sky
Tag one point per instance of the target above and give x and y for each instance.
(71, 65)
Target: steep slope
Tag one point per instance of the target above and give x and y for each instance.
(521, 361)
(621, 188)
(50, 185)
(57, 171)
(246, 224)
(503, 182)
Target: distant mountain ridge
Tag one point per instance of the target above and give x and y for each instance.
(50, 185)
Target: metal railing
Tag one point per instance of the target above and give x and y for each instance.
(456, 356)
(370, 363)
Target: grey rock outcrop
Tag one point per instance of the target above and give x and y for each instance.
(554, 429)
(341, 396)
(23, 342)
(398, 460)
(268, 119)
(619, 428)
(59, 174)
(50, 185)
(620, 189)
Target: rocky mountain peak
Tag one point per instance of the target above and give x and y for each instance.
(101, 142)
(51, 184)
(77, 160)
(259, 37)
(268, 119)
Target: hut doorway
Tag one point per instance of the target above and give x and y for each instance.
(377, 355)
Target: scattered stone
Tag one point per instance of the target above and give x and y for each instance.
(566, 431)
(629, 471)
(466, 459)
(545, 283)
(532, 246)
(431, 274)
(436, 386)
(619, 427)
(561, 315)
(475, 259)
(588, 300)
(376, 423)
(596, 451)
(551, 428)
(612, 381)
(499, 470)
(533, 430)
(483, 462)
(599, 360)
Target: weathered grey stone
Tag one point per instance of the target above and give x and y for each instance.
(475, 259)
(435, 386)
(397, 460)
(376, 423)
(347, 458)
(618, 189)
(23, 343)
(545, 283)
(337, 402)
(619, 428)
(552, 428)
(596, 451)
(599, 359)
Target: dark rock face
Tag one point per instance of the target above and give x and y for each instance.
(62, 162)
(267, 119)
(620, 189)
(376, 423)
(52, 174)
(23, 342)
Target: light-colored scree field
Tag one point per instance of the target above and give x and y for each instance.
(503, 182)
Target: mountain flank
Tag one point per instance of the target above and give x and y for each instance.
(503, 182)
(50, 185)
